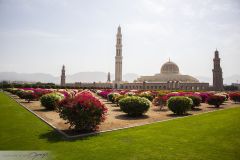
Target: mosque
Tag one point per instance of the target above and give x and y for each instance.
(169, 77)
(169, 72)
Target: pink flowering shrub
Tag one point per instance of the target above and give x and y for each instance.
(40, 92)
(84, 112)
(104, 93)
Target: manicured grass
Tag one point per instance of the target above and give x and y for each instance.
(209, 136)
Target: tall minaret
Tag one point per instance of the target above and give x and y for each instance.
(63, 76)
(109, 77)
(118, 57)
(217, 73)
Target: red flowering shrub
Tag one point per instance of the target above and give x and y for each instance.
(84, 112)
(215, 100)
(160, 100)
(235, 97)
(204, 96)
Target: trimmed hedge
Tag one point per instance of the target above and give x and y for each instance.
(29, 96)
(112, 97)
(179, 104)
(118, 98)
(196, 100)
(147, 95)
(134, 106)
(51, 100)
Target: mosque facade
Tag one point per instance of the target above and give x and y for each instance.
(169, 77)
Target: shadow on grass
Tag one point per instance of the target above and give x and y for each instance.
(54, 136)
(127, 117)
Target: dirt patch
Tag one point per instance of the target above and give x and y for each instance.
(115, 117)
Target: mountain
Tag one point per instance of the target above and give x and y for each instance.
(130, 77)
(232, 79)
(226, 80)
(204, 79)
(29, 77)
(77, 77)
(89, 77)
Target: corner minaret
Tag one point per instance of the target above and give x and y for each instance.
(109, 77)
(63, 76)
(118, 57)
(217, 73)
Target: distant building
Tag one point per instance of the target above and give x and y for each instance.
(63, 77)
(217, 73)
(236, 85)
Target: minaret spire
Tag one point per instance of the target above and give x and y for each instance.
(118, 57)
(217, 73)
(63, 76)
(109, 77)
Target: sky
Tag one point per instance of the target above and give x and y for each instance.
(39, 36)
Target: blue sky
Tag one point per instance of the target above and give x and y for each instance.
(41, 35)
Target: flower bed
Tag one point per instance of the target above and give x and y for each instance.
(114, 118)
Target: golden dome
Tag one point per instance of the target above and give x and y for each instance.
(169, 68)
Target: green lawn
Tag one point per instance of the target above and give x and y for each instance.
(209, 136)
